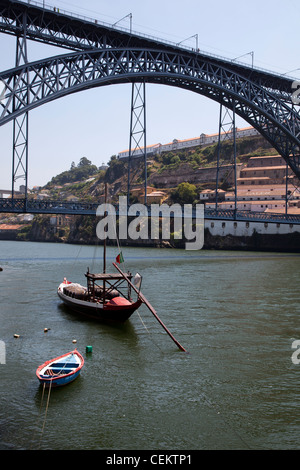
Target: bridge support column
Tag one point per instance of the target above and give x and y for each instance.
(20, 125)
(137, 139)
(292, 188)
(227, 132)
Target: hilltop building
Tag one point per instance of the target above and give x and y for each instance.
(265, 170)
(261, 187)
(176, 144)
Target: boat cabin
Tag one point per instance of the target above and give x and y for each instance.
(106, 286)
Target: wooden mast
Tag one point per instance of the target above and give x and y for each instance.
(104, 247)
(145, 301)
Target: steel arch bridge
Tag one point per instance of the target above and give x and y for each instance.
(104, 56)
(37, 83)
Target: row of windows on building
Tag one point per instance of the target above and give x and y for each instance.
(247, 225)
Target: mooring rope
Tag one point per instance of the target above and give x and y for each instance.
(47, 404)
(39, 417)
(46, 411)
(60, 371)
(148, 331)
(40, 411)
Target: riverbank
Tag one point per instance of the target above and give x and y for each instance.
(276, 242)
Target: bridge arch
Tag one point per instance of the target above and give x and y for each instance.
(37, 83)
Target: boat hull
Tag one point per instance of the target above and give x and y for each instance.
(68, 371)
(59, 382)
(107, 313)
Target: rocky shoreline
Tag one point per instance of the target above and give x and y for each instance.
(41, 231)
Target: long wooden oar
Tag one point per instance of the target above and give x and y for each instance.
(145, 301)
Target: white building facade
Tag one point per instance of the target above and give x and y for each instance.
(176, 144)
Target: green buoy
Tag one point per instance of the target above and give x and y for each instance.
(89, 349)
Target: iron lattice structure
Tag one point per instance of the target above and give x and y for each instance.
(34, 84)
(81, 208)
(102, 55)
(137, 139)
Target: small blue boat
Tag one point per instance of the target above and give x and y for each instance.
(61, 370)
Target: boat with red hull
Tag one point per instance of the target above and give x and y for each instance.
(103, 299)
(107, 297)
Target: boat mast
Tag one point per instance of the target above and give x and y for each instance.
(104, 246)
(104, 249)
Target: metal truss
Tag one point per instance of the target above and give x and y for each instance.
(52, 27)
(20, 127)
(37, 83)
(54, 207)
(68, 31)
(137, 140)
(227, 130)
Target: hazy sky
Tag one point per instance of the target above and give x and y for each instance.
(95, 123)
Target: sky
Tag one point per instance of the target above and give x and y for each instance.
(95, 123)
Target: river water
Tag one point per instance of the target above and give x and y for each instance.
(236, 313)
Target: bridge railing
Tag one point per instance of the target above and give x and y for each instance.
(94, 20)
(86, 208)
(249, 216)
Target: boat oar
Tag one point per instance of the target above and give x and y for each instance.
(145, 301)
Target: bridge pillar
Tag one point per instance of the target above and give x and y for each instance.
(20, 124)
(227, 132)
(290, 181)
(137, 139)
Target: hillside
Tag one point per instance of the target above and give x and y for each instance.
(180, 174)
(195, 165)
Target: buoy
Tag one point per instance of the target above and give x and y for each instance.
(89, 349)
(74, 341)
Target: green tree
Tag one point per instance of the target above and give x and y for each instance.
(83, 170)
(113, 159)
(185, 193)
(83, 162)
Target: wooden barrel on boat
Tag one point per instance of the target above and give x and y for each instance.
(76, 292)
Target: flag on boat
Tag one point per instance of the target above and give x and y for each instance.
(119, 258)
